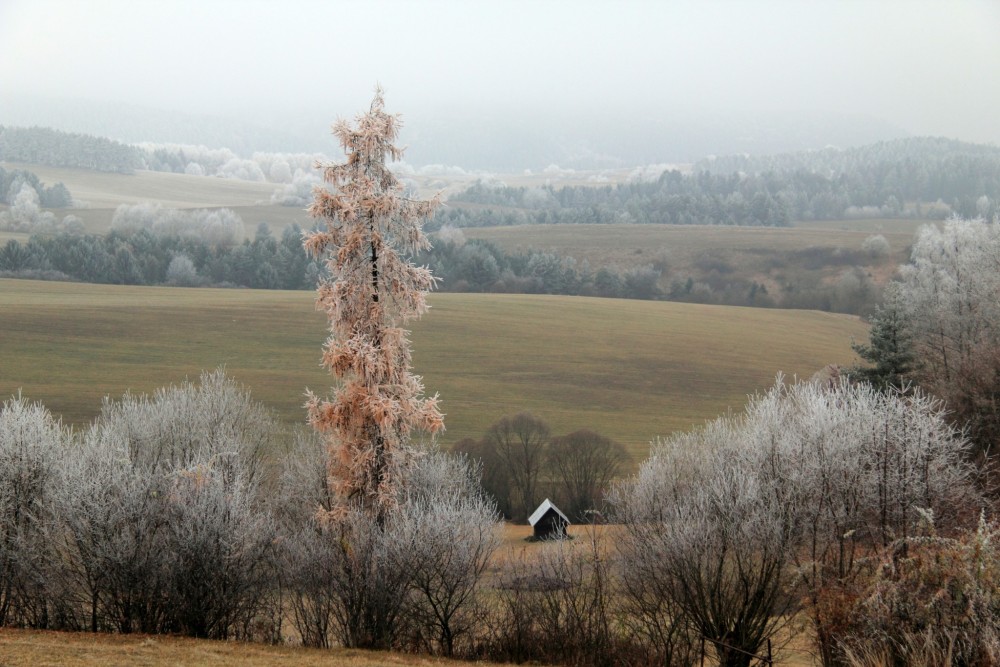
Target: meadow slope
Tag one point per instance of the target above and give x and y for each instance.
(759, 253)
(629, 369)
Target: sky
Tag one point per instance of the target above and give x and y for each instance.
(927, 67)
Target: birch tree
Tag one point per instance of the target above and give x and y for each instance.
(369, 231)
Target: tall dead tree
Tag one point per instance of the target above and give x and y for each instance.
(373, 288)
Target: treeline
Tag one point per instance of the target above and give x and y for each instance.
(672, 199)
(144, 258)
(481, 266)
(54, 148)
(184, 249)
(916, 177)
(922, 178)
(523, 463)
(151, 245)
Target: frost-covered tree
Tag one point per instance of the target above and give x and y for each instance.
(952, 284)
(182, 271)
(370, 228)
(30, 440)
(951, 290)
(163, 521)
(444, 536)
(800, 490)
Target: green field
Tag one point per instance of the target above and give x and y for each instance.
(629, 369)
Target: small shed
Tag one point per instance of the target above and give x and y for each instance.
(548, 521)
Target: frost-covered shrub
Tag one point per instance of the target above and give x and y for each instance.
(413, 581)
(215, 226)
(167, 528)
(31, 445)
(182, 272)
(876, 246)
(804, 486)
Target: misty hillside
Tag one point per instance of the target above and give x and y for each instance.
(533, 139)
(916, 152)
(134, 124)
(609, 141)
(919, 177)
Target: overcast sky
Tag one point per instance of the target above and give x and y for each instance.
(928, 67)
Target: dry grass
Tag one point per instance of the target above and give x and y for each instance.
(34, 648)
(793, 644)
(629, 369)
(23, 648)
(752, 253)
(99, 190)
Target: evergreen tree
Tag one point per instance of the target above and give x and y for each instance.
(890, 344)
(373, 288)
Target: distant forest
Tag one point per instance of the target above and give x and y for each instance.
(927, 178)
(917, 178)
(53, 148)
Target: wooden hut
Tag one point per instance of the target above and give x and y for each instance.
(548, 522)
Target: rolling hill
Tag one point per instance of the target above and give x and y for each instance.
(629, 369)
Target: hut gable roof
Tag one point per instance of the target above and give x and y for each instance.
(543, 509)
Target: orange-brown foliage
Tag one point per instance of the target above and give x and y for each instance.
(370, 228)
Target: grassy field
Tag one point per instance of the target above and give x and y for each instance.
(98, 194)
(629, 369)
(99, 190)
(627, 244)
(747, 250)
(36, 648)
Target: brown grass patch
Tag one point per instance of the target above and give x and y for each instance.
(36, 648)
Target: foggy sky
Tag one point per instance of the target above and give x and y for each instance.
(927, 67)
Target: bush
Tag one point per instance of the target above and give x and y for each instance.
(410, 583)
(876, 246)
(166, 528)
(810, 483)
(932, 601)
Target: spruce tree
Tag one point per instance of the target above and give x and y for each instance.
(890, 345)
(370, 231)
